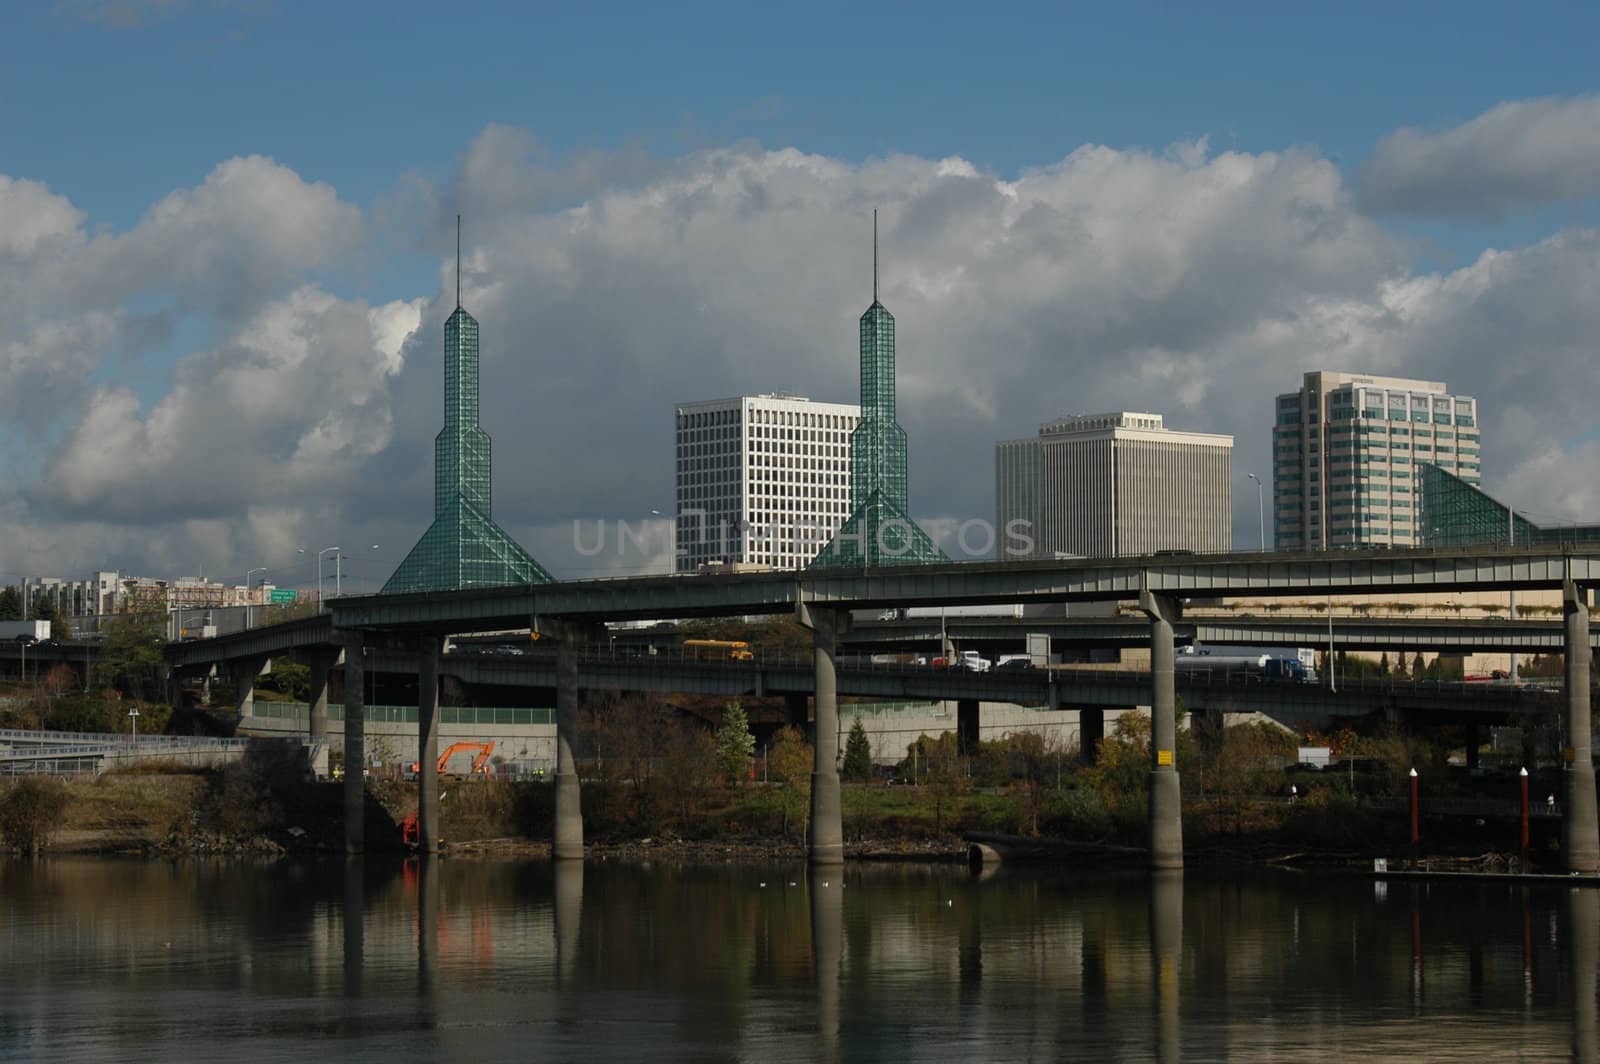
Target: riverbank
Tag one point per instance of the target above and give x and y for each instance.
(263, 812)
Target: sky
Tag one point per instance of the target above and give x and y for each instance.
(227, 248)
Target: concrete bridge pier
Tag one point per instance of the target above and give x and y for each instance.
(244, 684)
(1580, 826)
(320, 663)
(967, 727)
(827, 818)
(355, 742)
(428, 744)
(1166, 802)
(567, 843)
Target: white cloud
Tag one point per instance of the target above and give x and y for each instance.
(1191, 284)
(1526, 153)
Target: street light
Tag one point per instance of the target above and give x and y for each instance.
(249, 606)
(320, 553)
(1261, 514)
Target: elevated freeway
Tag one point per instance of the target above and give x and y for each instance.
(572, 613)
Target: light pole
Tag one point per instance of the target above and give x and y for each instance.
(1261, 514)
(133, 715)
(358, 575)
(320, 553)
(249, 604)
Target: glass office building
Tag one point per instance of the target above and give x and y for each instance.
(463, 547)
(1346, 449)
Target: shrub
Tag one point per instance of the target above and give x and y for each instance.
(30, 811)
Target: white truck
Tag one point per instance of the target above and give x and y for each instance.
(37, 631)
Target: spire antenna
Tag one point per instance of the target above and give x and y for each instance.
(458, 259)
(874, 254)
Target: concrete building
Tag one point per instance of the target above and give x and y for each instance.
(761, 479)
(1111, 484)
(1345, 454)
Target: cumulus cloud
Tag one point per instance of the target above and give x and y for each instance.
(1526, 153)
(1192, 283)
(288, 409)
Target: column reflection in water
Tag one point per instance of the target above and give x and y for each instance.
(354, 924)
(1166, 951)
(568, 918)
(1583, 932)
(428, 871)
(827, 949)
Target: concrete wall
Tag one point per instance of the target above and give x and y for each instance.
(892, 727)
(529, 746)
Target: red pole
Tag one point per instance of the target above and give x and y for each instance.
(1524, 837)
(1415, 833)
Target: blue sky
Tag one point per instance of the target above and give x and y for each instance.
(519, 113)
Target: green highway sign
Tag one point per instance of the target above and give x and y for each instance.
(283, 596)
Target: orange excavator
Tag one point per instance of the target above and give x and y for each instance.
(480, 761)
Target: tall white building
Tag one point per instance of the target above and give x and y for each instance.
(762, 479)
(1344, 453)
(1111, 484)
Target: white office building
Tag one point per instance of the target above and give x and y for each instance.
(1113, 484)
(1344, 454)
(762, 479)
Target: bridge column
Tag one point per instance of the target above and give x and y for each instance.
(1166, 802)
(827, 818)
(355, 743)
(1580, 826)
(1091, 730)
(244, 685)
(567, 843)
(1474, 740)
(320, 662)
(428, 744)
(967, 727)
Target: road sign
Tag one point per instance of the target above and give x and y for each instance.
(283, 596)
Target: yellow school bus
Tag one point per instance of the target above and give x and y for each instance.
(718, 649)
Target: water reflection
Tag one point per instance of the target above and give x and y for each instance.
(442, 960)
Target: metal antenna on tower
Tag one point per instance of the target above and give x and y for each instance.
(874, 254)
(458, 259)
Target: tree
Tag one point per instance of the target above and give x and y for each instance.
(941, 764)
(132, 659)
(10, 605)
(45, 610)
(857, 754)
(734, 742)
(1383, 664)
(1417, 666)
(790, 761)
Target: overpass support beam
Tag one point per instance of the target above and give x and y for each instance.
(827, 818)
(244, 685)
(1580, 826)
(320, 664)
(428, 744)
(567, 843)
(967, 727)
(1166, 804)
(355, 743)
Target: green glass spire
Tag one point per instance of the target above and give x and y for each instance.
(463, 547)
(880, 530)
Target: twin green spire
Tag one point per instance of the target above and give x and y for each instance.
(880, 530)
(463, 547)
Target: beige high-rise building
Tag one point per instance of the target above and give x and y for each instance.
(1345, 448)
(1113, 484)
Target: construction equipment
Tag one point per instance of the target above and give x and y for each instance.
(480, 761)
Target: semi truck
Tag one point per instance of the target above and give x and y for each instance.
(1269, 668)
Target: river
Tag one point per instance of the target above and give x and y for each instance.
(375, 960)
